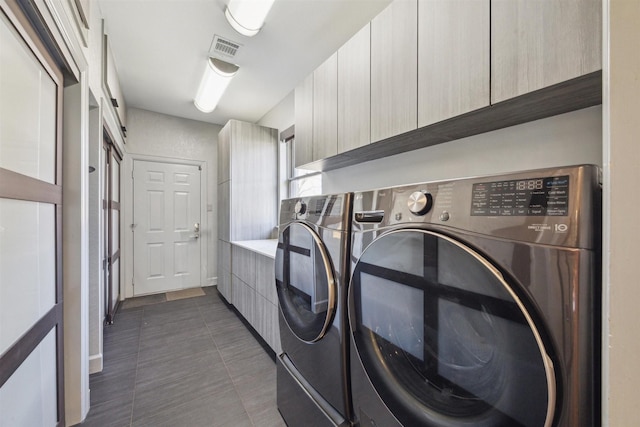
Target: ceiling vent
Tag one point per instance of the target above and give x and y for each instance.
(224, 47)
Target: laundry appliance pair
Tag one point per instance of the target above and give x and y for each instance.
(468, 302)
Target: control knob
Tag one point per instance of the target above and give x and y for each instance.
(300, 208)
(420, 202)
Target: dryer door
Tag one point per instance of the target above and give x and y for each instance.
(444, 339)
(305, 282)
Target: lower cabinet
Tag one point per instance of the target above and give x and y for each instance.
(244, 299)
(254, 292)
(224, 274)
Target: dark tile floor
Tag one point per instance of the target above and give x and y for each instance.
(189, 362)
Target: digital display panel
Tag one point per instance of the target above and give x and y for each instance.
(524, 197)
(329, 206)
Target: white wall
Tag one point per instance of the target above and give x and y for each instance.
(160, 135)
(75, 245)
(571, 138)
(621, 103)
(101, 116)
(282, 115)
(96, 304)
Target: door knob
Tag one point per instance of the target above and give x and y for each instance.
(196, 231)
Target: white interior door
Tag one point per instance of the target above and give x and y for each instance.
(166, 216)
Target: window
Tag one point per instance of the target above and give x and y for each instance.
(298, 181)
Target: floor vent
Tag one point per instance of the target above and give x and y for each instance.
(224, 47)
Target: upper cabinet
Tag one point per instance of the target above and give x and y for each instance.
(424, 72)
(325, 109)
(394, 70)
(111, 84)
(535, 44)
(354, 91)
(453, 58)
(304, 121)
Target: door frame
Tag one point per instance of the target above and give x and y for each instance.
(126, 230)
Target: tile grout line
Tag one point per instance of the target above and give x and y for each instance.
(211, 329)
(233, 382)
(135, 379)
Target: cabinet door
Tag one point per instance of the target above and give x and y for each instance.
(253, 181)
(243, 264)
(453, 58)
(267, 322)
(224, 206)
(304, 121)
(113, 84)
(354, 91)
(325, 109)
(243, 297)
(224, 270)
(394, 70)
(539, 43)
(265, 278)
(223, 155)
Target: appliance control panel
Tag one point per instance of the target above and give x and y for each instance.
(331, 211)
(544, 196)
(548, 206)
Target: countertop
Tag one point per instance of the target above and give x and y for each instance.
(264, 247)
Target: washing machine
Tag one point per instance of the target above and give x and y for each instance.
(475, 302)
(312, 261)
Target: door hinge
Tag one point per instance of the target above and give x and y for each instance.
(132, 174)
(199, 167)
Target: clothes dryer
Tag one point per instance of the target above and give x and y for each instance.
(475, 302)
(311, 281)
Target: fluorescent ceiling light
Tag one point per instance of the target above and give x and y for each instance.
(214, 82)
(247, 16)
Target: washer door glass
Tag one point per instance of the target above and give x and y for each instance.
(305, 282)
(444, 339)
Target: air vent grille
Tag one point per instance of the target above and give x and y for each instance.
(224, 47)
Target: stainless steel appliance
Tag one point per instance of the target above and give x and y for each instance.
(311, 279)
(474, 302)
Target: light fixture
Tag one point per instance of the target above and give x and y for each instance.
(247, 16)
(214, 82)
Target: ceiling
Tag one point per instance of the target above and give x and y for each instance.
(160, 49)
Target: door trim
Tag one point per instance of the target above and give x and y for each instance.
(126, 199)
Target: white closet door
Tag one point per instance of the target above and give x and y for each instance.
(30, 228)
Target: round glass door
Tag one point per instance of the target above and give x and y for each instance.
(305, 282)
(444, 339)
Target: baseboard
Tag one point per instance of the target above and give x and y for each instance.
(212, 281)
(95, 363)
